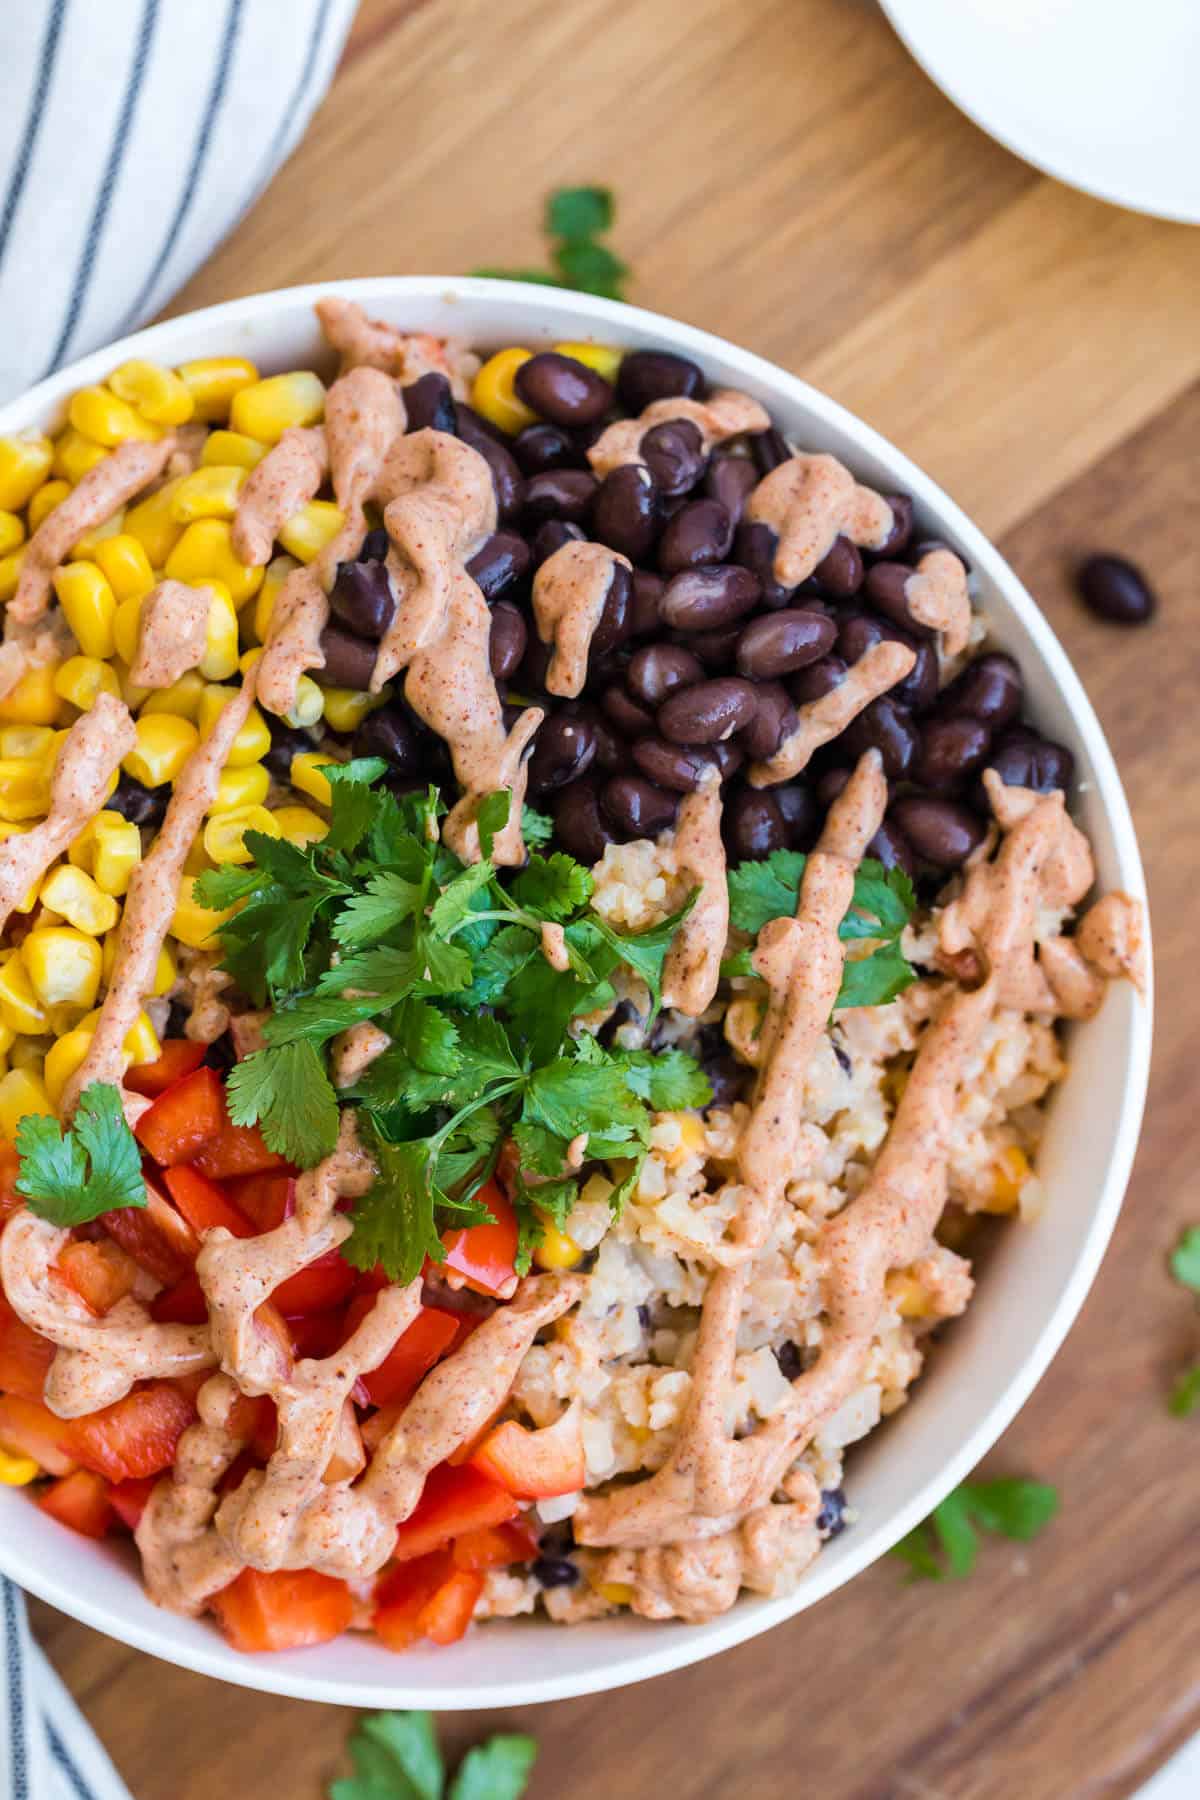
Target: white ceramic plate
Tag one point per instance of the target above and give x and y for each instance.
(1100, 93)
(1033, 1286)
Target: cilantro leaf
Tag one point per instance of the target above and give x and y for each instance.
(592, 268)
(453, 905)
(876, 979)
(387, 901)
(1014, 1509)
(1008, 1507)
(497, 1770)
(427, 1037)
(396, 1757)
(319, 1017)
(669, 1080)
(916, 1549)
(492, 817)
(394, 1221)
(536, 827)
(1185, 1393)
(95, 1166)
(579, 212)
(759, 891)
(553, 887)
(569, 1097)
(645, 951)
(287, 1093)
(219, 888)
(542, 1151)
(1185, 1259)
(495, 966)
(955, 1533)
(884, 901)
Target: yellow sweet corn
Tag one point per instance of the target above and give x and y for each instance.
(617, 1593)
(25, 458)
(309, 703)
(239, 788)
(44, 501)
(75, 454)
(222, 448)
(557, 1249)
(493, 393)
(8, 1038)
(159, 394)
(205, 552)
(197, 859)
(35, 742)
(690, 1127)
(10, 572)
(71, 892)
(21, 1093)
(117, 853)
(63, 965)
(606, 359)
(225, 832)
(278, 570)
(910, 1298)
(1010, 1172)
(96, 413)
(34, 700)
(20, 1008)
(210, 492)
(307, 777)
(220, 659)
(89, 605)
(193, 924)
(81, 678)
(12, 533)
(182, 697)
(17, 1470)
(252, 741)
(213, 381)
(164, 743)
(127, 625)
(164, 969)
(248, 659)
(125, 564)
(309, 530)
(90, 542)
(24, 789)
(268, 408)
(29, 1053)
(133, 696)
(346, 708)
(152, 523)
(62, 1059)
(300, 825)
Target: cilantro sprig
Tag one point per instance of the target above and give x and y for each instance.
(380, 922)
(93, 1166)
(883, 903)
(1184, 1397)
(575, 219)
(396, 1756)
(946, 1545)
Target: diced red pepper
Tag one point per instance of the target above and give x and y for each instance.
(453, 1501)
(266, 1199)
(371, 1280)
(238, 1150)
(412, 1356)
(10, 1167)
(25, 1355)
(272, 1324)
(403, 1593)
(100, 1273)
(155, 1235)
(203, 1204)
(183, 1304)
(445, 1618)
(466, 1451)
(135, 1436)
(28, 1428)
(325, 1283)
(285, 1610)
(535, 1465)
(188, 1116)
(255, 1420)
(316, 1334)
(80, 1500)
(129, 1499)
(494, 1546)
(485, 1255)
(179, 1057)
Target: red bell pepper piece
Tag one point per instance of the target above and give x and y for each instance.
(316, 1334)
(412, 1356)
(183, 1304)
(485, 1255)
(203, 1204)
(255, 1419)
(444, 1618)
(266, 1199)
(453, 1501)
(80, 1500)
(100, 1273)
(238, 1150)
(179, 1057)
(129, 1499)
(325, 1283)
(285, 1610)
(155, 1235)
(10, 1167)
(183, 1120)
(403, 1593)
(25, 1356)
(135, 1436)
(535, 1465)
(28, 1428)
(494, 1546)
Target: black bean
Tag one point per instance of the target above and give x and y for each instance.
(1115, 589)
(636, 807)
(559, 494)
(716, 649)
(506, 477)
(555, 1571)
(830, 783)
(625, 512)
(782, 642)
(612, 752)
(941, 832)
(143, 805)
(951, 749)
(375, 545)
(841, 570)
(625, 713)
(429, 404)
(753, 825)
(885, 727)
(769, 449)
(919, 689)
(989, 689)
(885, 589)
(774, 719)
(563, 749)
(801, 813)
(674, 454)
(890, 847)
(730, 479)
(706, 599)
(709, 712)
(919, 547)
(563, 390)
(831, 1520)
(579, 825)
(509, 637)
(220, 1054)
(392, 732)
(672, 766)
(644, 613)
(362, 598)
(728, 755)
(531, 676)
(659, 669)
(726, 1077)
(649, 375)
(498, 563)
(551, 537)
(819, 679)
(754, 546)
(902, 524)
(1023, 759)
(859, 632)
(286, 741)
(542, 447)
(349, 660)
(790, 1358)
(612, 628)
(699, 534)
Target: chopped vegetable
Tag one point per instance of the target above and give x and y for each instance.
(396, 1757)
(70, 1177)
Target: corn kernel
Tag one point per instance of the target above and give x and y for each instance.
(249, 658)
(220, 659)
(205, 551)
(197, 859)
(127, 626)
(308, 531)
(159, 394)
(8, 1038)
(12, 533)
(118, 851)
(225, 832)
(81, 678)
(85, 550)
(34, 742)
(690, 1139)
(277, 572)
(346, 708)
(210, 492)
(309, 703)
(617, 1593)
(910, 1298)
(73, 893)
(29, 1053)
(252, 741)
(193, 924)
(164, 970)
(141, 1041)
(238, 788)
(20, 1007)
(605, 359)
(134, 696)
(63, 965)
(62, 1060)
(24, 789)
(182, 697)
(307, 777)
(75, 454)
(25, 458)
(269, 408)
(223, 448)
(81, 852)
(213, 381)
(557, 1250)
(89, 606)
(17, 1470)
(21, 1092)
(151, 522)
(1011, 1171)
(494, 395)
(164, 743)
(10, 572)
(125, 563)
(47, 497)
(98, 414)
(301, 826)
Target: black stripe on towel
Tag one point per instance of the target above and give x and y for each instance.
(284, 129)
(62, 1757)
(16, 1694)
(37, 108)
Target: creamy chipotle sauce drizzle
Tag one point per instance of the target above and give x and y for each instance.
(569, 592)
(820, 721)
(809, 502)
(692, 966)
(172, 631)
(725, 414)
(937, 596)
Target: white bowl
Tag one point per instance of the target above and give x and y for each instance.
(1038, 1275)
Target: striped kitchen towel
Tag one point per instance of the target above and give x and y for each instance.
(134, 135)
(48, 1750)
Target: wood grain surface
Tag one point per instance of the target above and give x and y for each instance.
(789, 178)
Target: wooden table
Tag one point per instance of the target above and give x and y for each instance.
(788, 177)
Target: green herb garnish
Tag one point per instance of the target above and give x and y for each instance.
(883, 903)
(396, 1757)
(946, 1544)
(574, 220)
(1185, 1267)
(93, 1167)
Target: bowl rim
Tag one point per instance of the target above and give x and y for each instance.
(666, 1648)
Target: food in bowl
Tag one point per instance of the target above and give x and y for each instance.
(578, 921)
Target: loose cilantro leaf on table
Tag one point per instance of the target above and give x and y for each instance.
(575, 219)
(1184, 1398)
(1185, 1393)
(946, 1544)
(396, 1757)
(94, 1166)
(579, 212)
